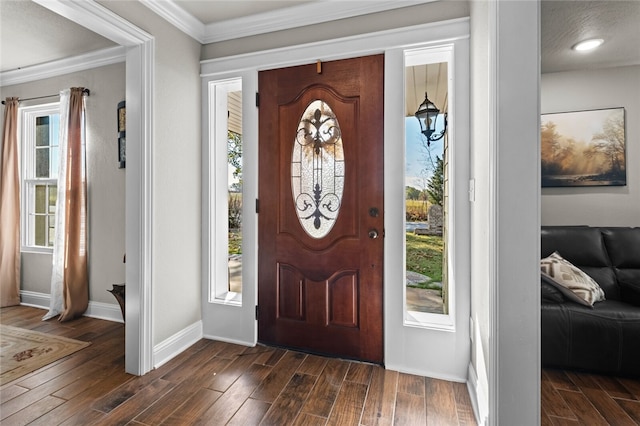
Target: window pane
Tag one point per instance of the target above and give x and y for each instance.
(235, 242)
(53, 164)
(42, 131)
(40, 230)
(53, 196)
(234, 165)
(317, 169)
(425, 240)
(41, 199)
(52, 230)
(42, 162)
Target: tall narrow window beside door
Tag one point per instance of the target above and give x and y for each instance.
(429, 290)
(226, 218)
(40, 158)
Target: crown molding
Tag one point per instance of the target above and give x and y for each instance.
(297, 16)
(98, 58)
(178, 17)
(277, 20)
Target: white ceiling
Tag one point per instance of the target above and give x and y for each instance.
(210, 11)
(30, 34)
(564, 23)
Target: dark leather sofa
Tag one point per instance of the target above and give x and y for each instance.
(606, 338)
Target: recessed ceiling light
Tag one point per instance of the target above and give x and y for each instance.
(588, 44)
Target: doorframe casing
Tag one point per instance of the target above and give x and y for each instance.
(387, 42)
(140, 68)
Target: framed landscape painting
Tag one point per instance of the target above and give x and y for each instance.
(583, 148)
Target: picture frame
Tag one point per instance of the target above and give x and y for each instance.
(122, 117)
(122, 134)
(122, 151)
(583, 148)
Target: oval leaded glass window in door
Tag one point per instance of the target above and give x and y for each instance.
(317, 169)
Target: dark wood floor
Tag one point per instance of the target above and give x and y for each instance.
(573, 398)
(217, 383)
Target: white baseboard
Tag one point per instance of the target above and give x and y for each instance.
(425, 372)
(234, 341)
(105, 311)
(474, 393)
(34, 300)
(174, 345)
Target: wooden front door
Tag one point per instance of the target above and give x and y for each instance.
(321, 213)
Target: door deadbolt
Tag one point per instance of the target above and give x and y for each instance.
(373, 212)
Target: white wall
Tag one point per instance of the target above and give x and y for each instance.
(176, 173)
(480, 207)
(505, 213)
(596, 89)
(106, 182)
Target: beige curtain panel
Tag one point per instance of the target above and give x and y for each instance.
(10, 208)
(76, 280)
(69, 278)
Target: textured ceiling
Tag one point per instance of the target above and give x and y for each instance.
(564, 23)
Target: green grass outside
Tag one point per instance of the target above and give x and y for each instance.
(424, 256)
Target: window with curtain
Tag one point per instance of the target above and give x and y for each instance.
(40, 159)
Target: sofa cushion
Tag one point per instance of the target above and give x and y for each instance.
(623, 247)
(580, 245)
(573, 283)
(584, 247)
(601, 339)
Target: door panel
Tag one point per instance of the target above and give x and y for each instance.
(320, 272)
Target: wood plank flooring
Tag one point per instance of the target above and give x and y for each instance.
(574, 398)
(216, 383)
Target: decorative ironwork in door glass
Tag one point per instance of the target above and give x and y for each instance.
(317, 169)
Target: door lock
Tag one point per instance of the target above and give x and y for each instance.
(373, 212)
(373, 234)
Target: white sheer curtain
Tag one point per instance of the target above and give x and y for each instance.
(56, 304)
(69, 280)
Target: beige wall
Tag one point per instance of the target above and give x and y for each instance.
(106, 182)
(176, 172)
(596, 89)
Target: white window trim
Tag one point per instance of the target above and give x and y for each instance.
(444, 322)
(218, 201)
(228, 317)
(27, 136)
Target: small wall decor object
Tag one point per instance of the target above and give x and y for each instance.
(122, 136)
(583, 148)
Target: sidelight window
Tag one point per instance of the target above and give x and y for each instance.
(226, 180)
(428, 291)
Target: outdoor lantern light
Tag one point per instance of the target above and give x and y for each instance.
(427, 115)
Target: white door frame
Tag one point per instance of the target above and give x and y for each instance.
(404, 346)
(139, 96)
